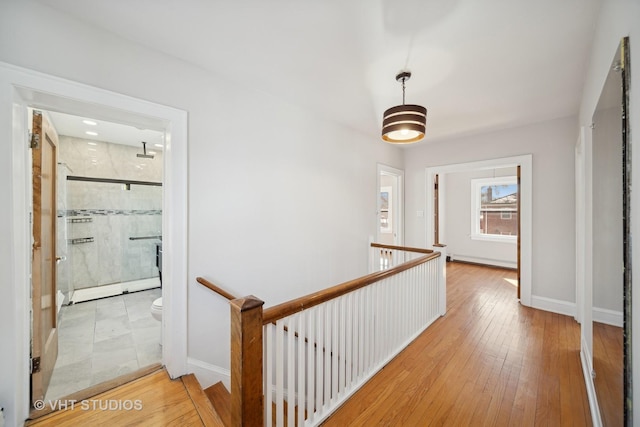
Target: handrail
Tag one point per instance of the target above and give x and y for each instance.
(255, 344)
(288, 308)
(216, 289)
(402, 248)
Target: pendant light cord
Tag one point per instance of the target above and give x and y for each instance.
(403, 79)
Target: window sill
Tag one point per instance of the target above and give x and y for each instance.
(495, 238)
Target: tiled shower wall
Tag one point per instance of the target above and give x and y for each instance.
(96, 221)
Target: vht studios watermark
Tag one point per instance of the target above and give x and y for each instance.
(90, 405)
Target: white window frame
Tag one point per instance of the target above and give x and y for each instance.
(476, 203)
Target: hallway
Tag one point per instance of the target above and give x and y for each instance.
(489, 361)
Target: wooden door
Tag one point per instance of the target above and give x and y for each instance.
(44, 330)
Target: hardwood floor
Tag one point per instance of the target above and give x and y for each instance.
(608, 365)
(489, 361)
(153, 400)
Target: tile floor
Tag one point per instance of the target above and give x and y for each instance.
(102, 339)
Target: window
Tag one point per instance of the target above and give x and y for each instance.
(494, 208)
(385, 212)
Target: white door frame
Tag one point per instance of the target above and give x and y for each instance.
(526, 203)
(398, 201)
(21, 88)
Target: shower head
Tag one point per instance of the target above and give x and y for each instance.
(144, 149)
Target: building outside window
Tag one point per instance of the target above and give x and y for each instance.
(494, 212)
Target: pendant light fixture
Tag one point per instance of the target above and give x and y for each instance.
(406, 123)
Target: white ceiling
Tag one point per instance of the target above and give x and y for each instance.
(107, 131)
(477, 64)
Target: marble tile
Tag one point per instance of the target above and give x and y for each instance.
(77, 312)
(146, 330)
(69, 379)
(112, 257)
(107, 160)
(116, 335)
(111, 327)
(121, 342)
(83, 257)
(71, 353)
(113, 353)
(143, 296)
(77, 333)
(109, 308)
(140, 311)
(148, 353)
(139, 304)
(94, 347)
(114, 372)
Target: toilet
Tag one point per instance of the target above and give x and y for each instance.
(156, 309)
(156, 312)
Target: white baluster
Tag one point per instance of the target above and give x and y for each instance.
(320, 361)
(367, 329)
(280, 373)
(328, 335)
(311, 362)
(363, 332)
(268, 363)
(342, 344)
(357, 339)
(391, 313)
(291, 369)
(335, 350)
(302, 368)
(372, 328)
(348, 350)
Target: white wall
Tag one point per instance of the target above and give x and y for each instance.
(281, 203)
(460, 245)
(551, 145)
(617, 19)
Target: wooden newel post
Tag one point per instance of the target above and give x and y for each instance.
(247, 403)
(442, 280)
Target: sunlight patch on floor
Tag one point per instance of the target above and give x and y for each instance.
(514, 282)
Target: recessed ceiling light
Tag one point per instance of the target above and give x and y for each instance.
(92, 143)
(89, 122)
(158, 145)
(91, 133)
(151, 152)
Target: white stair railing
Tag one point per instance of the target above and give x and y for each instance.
(319, 349)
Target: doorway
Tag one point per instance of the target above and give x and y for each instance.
(522, 170)
(390, 202)
(27, 89)
(108, 234)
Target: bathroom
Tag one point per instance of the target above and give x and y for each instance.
(109, 251)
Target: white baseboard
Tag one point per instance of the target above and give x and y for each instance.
(484, 261)
(609, 317)
(104, 291)
(587, 369)
(554, 305)
(208, 374)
